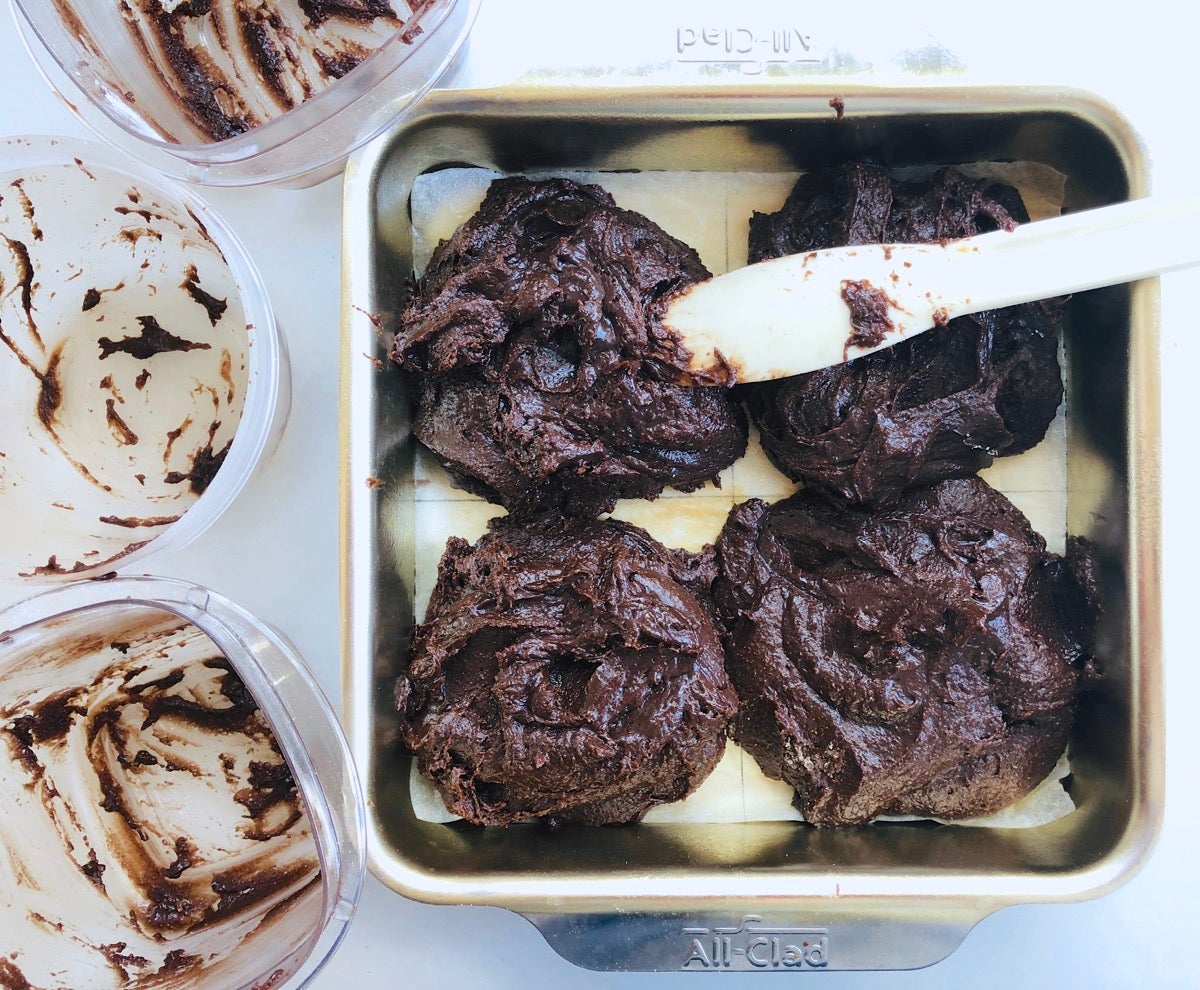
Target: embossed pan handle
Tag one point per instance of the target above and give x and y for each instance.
(760, 941)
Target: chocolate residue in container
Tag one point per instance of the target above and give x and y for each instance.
(869, 320)
(52, 566)
(157, 724)
(233, 66)
(93, 296)
(336, 66)
(205, 465)
(233, 717)
(227, 376)
(132, 235)
(147, 215)
(940, 404)
(213, 306)
(49, 387)
(120, 429)
(922, 659)
(11, 977)
(137, 522)
(93, 869)
(153, 339)
(546, 375)
(25, 273)
(28, 208)
(49, 391)
(271, 800)
(122, 961)
(50, 721)
(183, 857)
(177, 961)
(566, 670)
(172, 437)
(240, 890)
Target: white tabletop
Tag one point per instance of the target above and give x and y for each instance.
(1140, 57)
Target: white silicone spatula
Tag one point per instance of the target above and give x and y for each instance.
(808, 311)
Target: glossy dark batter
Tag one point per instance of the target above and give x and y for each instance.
(566, 672)
(922, 659)
(941, 405)
(545, 377)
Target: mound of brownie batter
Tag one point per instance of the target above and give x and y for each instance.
(923, 659)
(566, 671)
(940, 405)
(546, 378)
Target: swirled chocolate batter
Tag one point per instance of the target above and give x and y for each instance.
(152, 835)
(566, 671)
(545, 376)
(921, 659)
(940, 405)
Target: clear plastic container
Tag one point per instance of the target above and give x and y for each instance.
(66, 625)
(110, 84)
(159, 233)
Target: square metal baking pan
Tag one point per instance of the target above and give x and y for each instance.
(771, 895)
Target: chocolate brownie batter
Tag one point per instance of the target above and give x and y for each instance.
(922, 659)
(546, 379)
(940, 405)
(566, 671)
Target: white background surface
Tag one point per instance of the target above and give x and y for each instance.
(275, 551)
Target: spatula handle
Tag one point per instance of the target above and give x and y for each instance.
(1104, 246)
